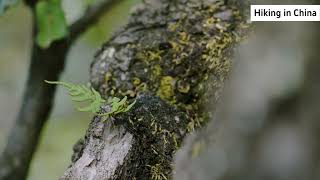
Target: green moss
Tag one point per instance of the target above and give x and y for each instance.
(156, 71)
(136, 81)
(177, 63)
(107, 77)
(156, 173)
(159, 128)
(183, 87)
(184, 62)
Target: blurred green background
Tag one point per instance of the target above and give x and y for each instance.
(65, 125)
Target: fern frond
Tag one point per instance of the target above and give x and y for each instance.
(129, 106)
(65, 84)
(81, 93)
(118, 106)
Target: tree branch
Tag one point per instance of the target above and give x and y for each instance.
(90, 17)
(141, 143)
(38, 97)
(34, 111)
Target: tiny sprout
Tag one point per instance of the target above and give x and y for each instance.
(81, 93)
(118, 106)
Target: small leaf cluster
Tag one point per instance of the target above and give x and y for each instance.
(81, 93)
(51, 22)
(118, 106)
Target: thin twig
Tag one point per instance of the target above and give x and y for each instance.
(38, 98)
(90, 17)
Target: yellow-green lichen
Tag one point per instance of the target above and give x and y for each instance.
(107, 77)
(165, 90)
(183, 87)
(136, 81)
(184, 61)
(156, 71)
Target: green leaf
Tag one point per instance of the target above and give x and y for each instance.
(4, 4)
(69, 86)
(85, 109)
(129, 106)
(50, 21)
(81, 97)
(123, 101)
(81, 93)
(75, 92)
(114, 100)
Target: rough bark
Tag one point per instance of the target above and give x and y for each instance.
(268, 124)
(171, 56)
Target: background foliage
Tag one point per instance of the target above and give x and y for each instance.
(66, 125)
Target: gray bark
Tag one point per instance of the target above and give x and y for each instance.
(114, 150)
(268, 124)
(171, 56)
(93, 158)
